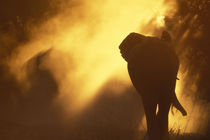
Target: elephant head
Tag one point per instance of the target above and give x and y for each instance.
(153, 66)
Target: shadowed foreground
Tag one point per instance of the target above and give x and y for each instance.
(12, 131)
(111, 116)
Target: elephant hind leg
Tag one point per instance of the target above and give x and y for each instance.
(150, 112)
(162, 118)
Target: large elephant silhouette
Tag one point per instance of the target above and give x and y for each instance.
(153, 66)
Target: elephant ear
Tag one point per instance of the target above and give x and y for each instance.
(129, 42)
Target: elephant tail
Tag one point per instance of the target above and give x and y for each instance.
(176, 103)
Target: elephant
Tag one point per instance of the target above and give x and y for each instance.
(153, 65)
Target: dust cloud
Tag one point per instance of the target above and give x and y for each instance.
(86, 35)
(190, 30)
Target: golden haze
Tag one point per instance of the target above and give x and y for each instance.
(84, 41)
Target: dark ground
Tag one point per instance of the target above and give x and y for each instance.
(12, 131)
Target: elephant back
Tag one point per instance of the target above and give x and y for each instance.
(152, 62)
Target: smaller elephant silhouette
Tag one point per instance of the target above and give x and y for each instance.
(153, 66)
